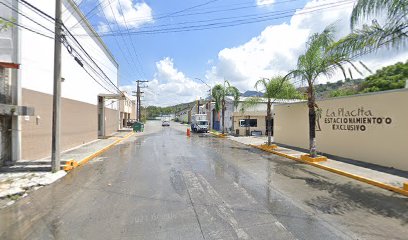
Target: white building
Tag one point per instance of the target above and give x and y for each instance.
(238, 117)
(89, 86)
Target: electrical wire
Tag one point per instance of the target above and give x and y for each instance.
(132, 44)
(122, 36)
(32, 7)
(26, 28)
(118, 44)
(102, 74)
(22, 14)
(87, 15)
(207, 12)
(70, 49)
(235, 22)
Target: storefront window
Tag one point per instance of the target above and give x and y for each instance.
(248, 123)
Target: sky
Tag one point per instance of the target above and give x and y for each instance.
(177, 45)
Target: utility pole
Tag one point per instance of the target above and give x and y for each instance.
(139, 110)
(56, 108)
(140, 105)
(209, 102)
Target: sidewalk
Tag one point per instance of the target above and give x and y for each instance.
(27, 175)
(375, 176)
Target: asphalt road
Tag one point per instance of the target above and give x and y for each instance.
(163, 185)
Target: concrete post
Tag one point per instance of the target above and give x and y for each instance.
(56, 109)
(16, 91)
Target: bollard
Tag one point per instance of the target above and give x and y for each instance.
(188, 132)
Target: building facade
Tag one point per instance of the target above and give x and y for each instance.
(89, 88)
(369, 127)
(127, 109)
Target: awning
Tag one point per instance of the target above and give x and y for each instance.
(113, 96)
(9, 65)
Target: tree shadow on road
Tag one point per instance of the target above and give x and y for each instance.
(347, 197)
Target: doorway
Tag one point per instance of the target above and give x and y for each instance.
(101, 116)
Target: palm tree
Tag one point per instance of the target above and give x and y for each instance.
(393, 33)
(315, 62)
(273, 88)
(219, 92)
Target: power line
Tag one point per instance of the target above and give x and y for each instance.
(118, 44)
(123, 38)
(26, 28)
(235, 22)
(22, 14)
(42, 14)
(45, 15)
(87, 54)
(69, 48)
(133, 46)
(88, 14)
(207, 12)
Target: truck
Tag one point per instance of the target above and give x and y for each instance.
(199, 123)
(165, 120)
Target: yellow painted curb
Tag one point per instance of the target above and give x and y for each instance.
(220, 135)
(75, 164)
(403, 191)
(97, 153)
(307, 157)
(265, 146)
(69, 165)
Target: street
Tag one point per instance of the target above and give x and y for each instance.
(164, 185)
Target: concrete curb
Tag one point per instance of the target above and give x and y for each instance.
(403, 191)
(73, 164)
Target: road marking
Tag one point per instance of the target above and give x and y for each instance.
(201, 188)
(244, 192)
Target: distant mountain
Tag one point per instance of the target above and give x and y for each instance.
(251, 94)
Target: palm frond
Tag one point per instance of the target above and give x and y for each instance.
(234, 92)
(351, 74)
(370, 38)
(365, 67)
(217, 93)
(374, 8)
(261, 82)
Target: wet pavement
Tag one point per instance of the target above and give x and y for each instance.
(164, 185)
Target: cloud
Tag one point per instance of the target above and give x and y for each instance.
(170, 86)
(276, 49)
(102, 28)
(135, 14)
(264, 2)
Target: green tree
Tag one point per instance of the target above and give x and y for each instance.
(342, 92)
(387, 78)
(393, 33)
(273, 88)
(6, 24)
(219, 92)
(315, 62)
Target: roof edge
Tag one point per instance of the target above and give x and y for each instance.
(91, 28)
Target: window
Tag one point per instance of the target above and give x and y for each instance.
(248, 123)
(202, 122)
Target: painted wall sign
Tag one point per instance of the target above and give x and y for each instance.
(343, 119)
